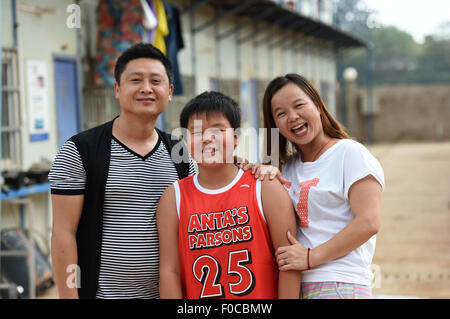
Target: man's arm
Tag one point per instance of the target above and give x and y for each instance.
(66, 215)
(280, 217)
(169, 262)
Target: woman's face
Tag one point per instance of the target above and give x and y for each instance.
(296, 115)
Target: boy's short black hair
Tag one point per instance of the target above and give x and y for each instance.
(212, 102)
(141, 50)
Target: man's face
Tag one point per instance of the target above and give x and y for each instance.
(144, 88)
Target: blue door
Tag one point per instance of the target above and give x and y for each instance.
(67, 101)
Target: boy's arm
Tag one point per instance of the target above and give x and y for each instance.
(280, 218)
(169, 262)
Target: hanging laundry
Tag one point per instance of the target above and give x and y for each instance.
(120, 25)
(163, 29)
(174, 43)
(151, 33)
(150, 21)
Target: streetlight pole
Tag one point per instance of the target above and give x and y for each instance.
(370, 97)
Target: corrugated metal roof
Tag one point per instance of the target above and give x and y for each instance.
(278, 16)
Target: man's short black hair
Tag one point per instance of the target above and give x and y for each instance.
(212, 102)
(142, 50)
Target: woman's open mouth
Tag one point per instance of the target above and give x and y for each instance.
(300, 130)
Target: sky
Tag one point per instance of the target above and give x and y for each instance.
(417, 17)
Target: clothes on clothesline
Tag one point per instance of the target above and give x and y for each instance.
(120, 25)
(162, 30)
(124, 23)
(150, 15)
(174, 43)
(150, 20)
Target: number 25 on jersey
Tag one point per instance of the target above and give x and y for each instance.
(207, 270)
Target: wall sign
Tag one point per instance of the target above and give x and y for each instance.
(37, 97)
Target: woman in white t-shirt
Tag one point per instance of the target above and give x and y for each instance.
(335, 185)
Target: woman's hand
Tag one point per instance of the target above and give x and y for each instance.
(293, 257)
(261, 171)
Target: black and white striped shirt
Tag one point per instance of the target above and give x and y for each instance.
(129, 266)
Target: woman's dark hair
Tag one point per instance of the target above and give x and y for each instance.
(212, 102)
(141, 50)
(330, 125)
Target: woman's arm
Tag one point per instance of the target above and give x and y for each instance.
(365, 202)
(280, 218)
(169, 263)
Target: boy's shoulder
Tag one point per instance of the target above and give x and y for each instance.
(271, 184)
(184, 180)
(273, 191)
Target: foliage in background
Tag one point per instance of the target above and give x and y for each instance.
(398, 59)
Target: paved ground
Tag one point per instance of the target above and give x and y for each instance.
(413, 246)
(412, 257)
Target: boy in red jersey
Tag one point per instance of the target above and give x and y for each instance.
(218, 229)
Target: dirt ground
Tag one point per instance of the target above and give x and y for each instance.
(412, 257)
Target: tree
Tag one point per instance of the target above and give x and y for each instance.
(395, 55)
(397, 58)
(434, 61)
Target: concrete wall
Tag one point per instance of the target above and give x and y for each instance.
(40, 36)
(6, 20)
(402, 113)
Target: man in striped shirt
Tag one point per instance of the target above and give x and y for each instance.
(106, 183)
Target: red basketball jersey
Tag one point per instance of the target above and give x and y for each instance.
(224, 242)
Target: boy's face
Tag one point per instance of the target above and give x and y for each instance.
(144, 88)
(211, 139)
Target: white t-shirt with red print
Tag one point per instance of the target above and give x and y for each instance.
(319, 192)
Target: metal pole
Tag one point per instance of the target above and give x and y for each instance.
(193, 49)
(15, 25)
(370, 106)
(31, 259)
(255, 55)
(238, 50)
(271, 63)
(1, 112)
(340, 69)
(342, 96)
(217, 46)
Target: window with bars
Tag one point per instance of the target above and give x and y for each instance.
(10, 108)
